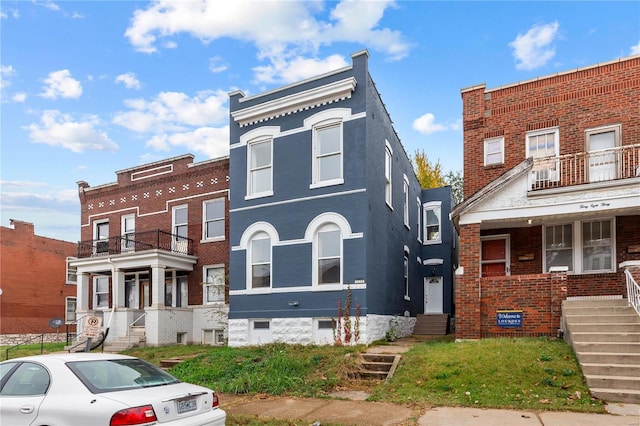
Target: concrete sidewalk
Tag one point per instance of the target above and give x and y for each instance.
(350, 412)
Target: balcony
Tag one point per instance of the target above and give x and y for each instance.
(136, 242)
(585, 167)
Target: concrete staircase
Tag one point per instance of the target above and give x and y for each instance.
(431, 324)
(605, 335)
(377, 366)
(136, 338)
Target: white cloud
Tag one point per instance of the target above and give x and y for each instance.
(281, 30)
(129, 80)
(5, 72)
(210, 141)
(534, 49)
(48, 4)
(296, 69)
(60, 83)
(174, 111)
(635, 50)
(216, 65)
(427, 125)
(19, 97)
(60, 130)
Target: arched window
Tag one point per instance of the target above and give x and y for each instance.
(259, 257)
(328, 254)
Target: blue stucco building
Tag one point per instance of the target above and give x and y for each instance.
(326, 212)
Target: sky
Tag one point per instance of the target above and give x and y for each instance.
(89, 88)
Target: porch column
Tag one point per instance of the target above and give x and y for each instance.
(157, 286)
(467, 294)
(82, 292)
(117, 282)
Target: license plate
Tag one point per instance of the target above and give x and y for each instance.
(186, 405)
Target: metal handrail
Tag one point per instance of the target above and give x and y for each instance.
(633, 291)
(41, 336)
(133, 324)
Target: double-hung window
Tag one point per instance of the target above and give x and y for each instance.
(405, 202)
(214, 219)
(388, 157)
(180, 229)
(101, 237)
(583, 247)
(494, 151)
(544, 146)
(406, 274)
(101, 292)
(432, 222)
(70, 310)
(213, 287)
(328, 154)
(128, 230)
(603, 158)
(329, 255)
(260, 261)
(260, 179)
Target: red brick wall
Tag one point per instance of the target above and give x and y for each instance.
(467, 298)
(151, 198)
(32, 278)
(573, 101)
(538, 296)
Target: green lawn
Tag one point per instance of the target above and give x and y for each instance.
(526, 373)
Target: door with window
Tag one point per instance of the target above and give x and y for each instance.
(602, 156)
(433, 295)
(494, 260)
(180, 229)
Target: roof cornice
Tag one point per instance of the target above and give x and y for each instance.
(300, 101)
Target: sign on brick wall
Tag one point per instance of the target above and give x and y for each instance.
(509, 318)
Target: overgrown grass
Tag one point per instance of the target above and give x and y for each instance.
(536, 374)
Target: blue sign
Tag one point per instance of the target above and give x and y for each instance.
(509, 318)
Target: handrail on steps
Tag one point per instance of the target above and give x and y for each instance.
(633, 291)
(132, 325)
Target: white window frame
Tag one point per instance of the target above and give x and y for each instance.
(419, 220)
(127, 232)
(250, 152)
(388, 175)
(431, 206)
(316, 182)
(405, 273)
(327, 227)
(180, 243)
(205, 205)
(578, 246)
(261, 235)
(71, 271)
(612, 158)
(405, 202)
(507, 253)
(215, 285)
(545, 170)
(96, 280)
(70, 317)
(558, 248)
(101, 242)
(487, 144)
(178, 285)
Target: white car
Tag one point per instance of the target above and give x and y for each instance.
(98, 389)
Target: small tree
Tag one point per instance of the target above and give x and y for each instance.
(455, 181)
(429, 174)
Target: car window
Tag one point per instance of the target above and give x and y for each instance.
(27, 379)
(119, 374)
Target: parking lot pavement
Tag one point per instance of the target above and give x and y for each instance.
(385, 414)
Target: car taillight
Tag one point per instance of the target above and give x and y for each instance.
(133, 416)
(216, 401)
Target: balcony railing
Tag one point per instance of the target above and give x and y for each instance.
(136, 242)
(585, 167)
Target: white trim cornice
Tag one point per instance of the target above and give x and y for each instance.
(296, 102)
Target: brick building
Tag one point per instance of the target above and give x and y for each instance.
(552, 197)
(154, 254)
(35, 285)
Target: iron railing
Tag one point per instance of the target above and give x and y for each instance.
(633, 291)
(136, 242)
(622, 162)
